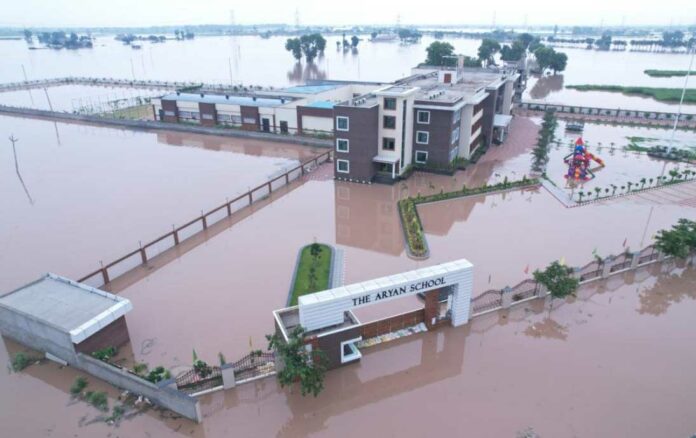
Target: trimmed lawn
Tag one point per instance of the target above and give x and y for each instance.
(322, 267)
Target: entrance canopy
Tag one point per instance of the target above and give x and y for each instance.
(501, 121)
(327, 308)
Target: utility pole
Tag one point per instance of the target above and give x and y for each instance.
(50, 105)
(681, 101)
(14, 140)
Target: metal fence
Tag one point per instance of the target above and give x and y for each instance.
(108, 272)
(254, 365)
(191, 382)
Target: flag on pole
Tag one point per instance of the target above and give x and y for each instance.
(625, 241)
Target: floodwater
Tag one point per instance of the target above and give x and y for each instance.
(94, 192)
(218, 296)
(81, 98)
(252, 60)
(612, 362)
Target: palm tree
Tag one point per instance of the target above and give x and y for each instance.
(606, 191)
(623, 188)
(580, 195)
(650, 181)
(613, 189)
(597, 190)
(642, 182)
(673, 173)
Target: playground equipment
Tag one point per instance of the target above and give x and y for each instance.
(579, 162)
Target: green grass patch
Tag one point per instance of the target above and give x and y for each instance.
(661, 94)
(313, 271)
(666, 73)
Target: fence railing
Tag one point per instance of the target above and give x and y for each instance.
(598, 269)
(629, 114)
(253, 365)
(191, 382)
(140, 256)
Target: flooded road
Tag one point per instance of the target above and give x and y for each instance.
(94, 192)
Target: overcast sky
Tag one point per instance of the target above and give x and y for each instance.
(332, 12)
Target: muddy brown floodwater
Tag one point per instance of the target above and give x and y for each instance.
(94, 192)
(614, 362)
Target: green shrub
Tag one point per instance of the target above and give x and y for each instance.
(106, 353)
(78, 386)
(158, 374)
(98, 399)
(20, 361)
(140, 368)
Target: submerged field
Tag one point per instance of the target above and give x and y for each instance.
(94, 192)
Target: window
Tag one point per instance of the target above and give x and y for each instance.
(389, 103)
(341, 145)
(349, 351)
(422, 137)
(343, 166)
(423, 117)
(388, 144)
(457, 116)
(455, 135)
(389, 122)
(207, 116)
(421, 157)
(341, 123)
(169, 113)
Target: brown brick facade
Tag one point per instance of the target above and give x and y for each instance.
(363, 138)
(170, 106)
(208, 114)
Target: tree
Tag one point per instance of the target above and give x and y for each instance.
(440, 53)
(558, 62)
(293, 45)
(354, 41)
(604, 43)
(487, 49)
(544, 56)
(678, 241)
(558, 280)
(512, 52)
(311, 45)
(27, 34)
(299, 365)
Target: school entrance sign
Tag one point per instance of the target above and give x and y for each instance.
(328, 308)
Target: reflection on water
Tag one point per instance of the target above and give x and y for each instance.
(546, 85)
(669, 289)
(302, 73)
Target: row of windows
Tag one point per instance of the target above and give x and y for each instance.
(388, 122)
(189, 115)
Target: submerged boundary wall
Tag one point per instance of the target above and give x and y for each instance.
(609, 115)
(162, 393)
(598, 269)
(178, 235)
(151, 125)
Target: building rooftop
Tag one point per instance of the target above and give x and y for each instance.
(321, 104)
(469, 85)
(72, 307)
(311, 89)
(229, 99)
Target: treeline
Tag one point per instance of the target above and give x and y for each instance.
(61, 40)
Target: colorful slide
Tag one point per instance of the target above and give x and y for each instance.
(579, 162)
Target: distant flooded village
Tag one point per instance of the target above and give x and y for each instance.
(257, 229)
